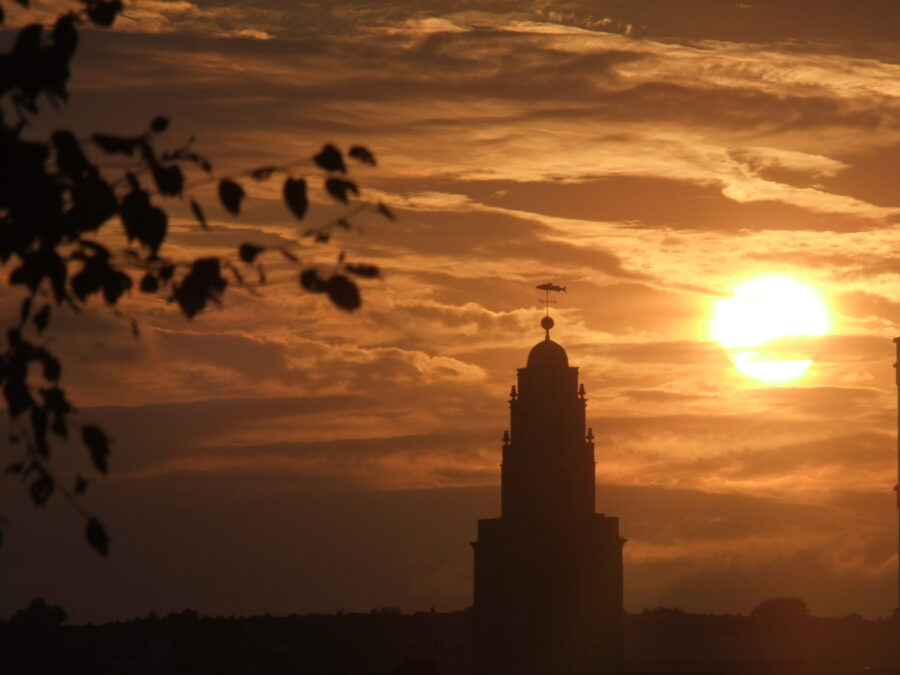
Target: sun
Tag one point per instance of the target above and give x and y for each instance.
(762, 325)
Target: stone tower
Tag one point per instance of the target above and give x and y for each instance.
(548, 572)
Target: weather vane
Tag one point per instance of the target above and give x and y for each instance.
(546, 301)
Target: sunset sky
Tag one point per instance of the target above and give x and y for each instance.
(281, 455)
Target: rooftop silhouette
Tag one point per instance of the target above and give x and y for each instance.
(548, 571)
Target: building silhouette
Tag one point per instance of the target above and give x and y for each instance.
(548, 572)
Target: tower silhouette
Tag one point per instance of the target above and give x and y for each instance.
(548, 572)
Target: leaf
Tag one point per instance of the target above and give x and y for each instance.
(231, 194)
(203, 283)
(295, 196)
(52, 367)
(169, 179)
(362, 154)
(25, 311)
(149, 283)
(41, 489)
(93, 203)
(159, 124)
(65, 36)
(18, 398)
(104, 13)
(97, 536)
(15, 467)
(144, 222)
(338, 188)
(365, 271)
(343, 293)
(70, 159)
(198, 214)
(116, 145)
(330, 159)
(385, 211)
(311, 281)
(81, 484)
(39, 422)
(98, 444)
(114, 284)
(248, 252)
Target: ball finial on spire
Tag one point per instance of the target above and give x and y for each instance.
(547, 324)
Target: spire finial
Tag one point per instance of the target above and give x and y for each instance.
(547, 324)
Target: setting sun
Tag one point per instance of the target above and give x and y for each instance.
(756, 326)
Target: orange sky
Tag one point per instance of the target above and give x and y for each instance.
(281, 455)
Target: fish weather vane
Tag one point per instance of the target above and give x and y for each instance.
(547, 288)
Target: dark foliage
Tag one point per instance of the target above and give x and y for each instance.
(55, 206)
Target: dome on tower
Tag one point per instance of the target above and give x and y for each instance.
(547, 354)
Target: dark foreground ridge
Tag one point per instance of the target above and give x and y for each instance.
(37, 640)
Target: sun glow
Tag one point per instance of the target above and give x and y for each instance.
(763, 326)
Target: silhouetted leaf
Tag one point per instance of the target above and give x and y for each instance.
(343, 292)
(311, 281)
(93, 203)
(52, 367)
(159, 124)
(41, 489)
(98, 443)
(198, 214)
(70, 159)
(81, 484)
(203, 283)
(97, 537)
(39, 265)
(295, 196)
(65, 36)
(116, 145)
(166, 272)
(338, 188)
(55, 401)
(330, 159)
(103, 13)
(149, 284)
(231, 194)
(15, 467)
(25, 312)
(361, 270)
(248, 252)
(39, 421)
(2, 15)
(362, 154)
(169, 179)
(385, 211)
(144, 222)
(114, 284)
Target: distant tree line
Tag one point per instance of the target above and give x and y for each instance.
(773, 638)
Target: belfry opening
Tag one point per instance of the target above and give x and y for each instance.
(548, 571)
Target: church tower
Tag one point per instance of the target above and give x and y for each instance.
(548, 572)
